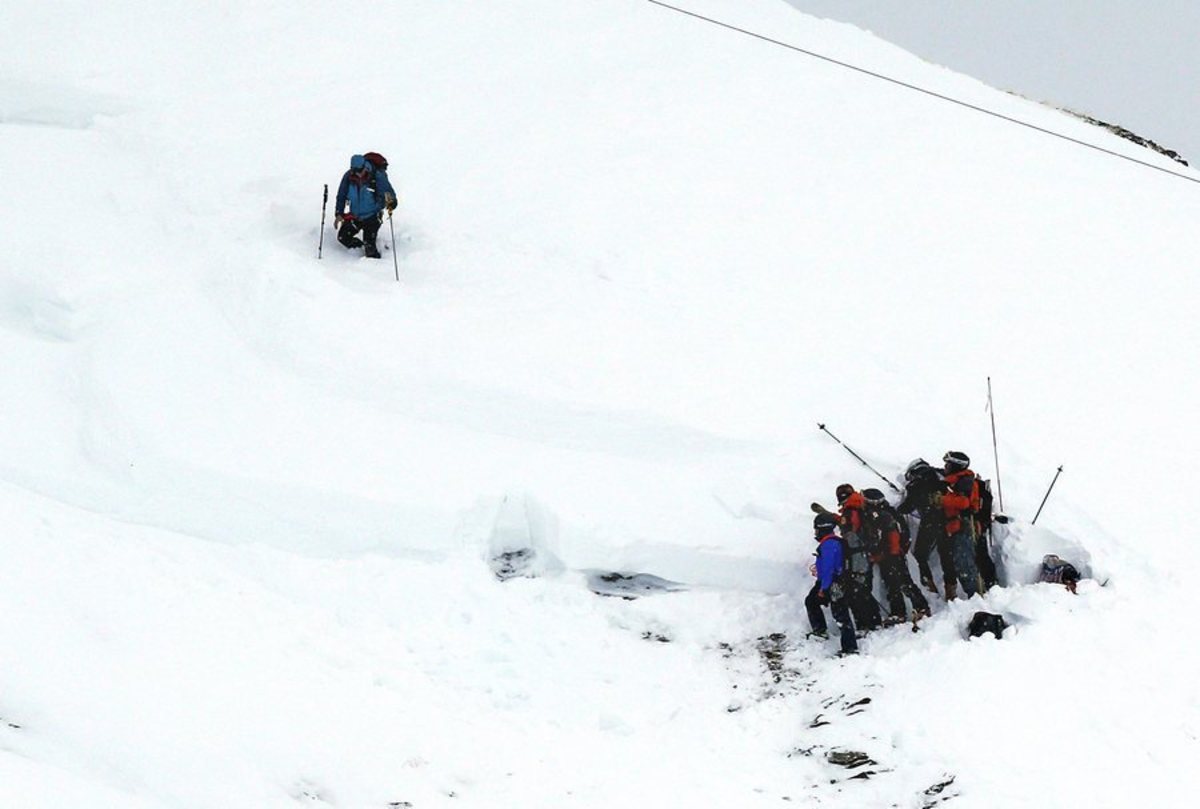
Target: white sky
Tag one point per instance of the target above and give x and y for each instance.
(1134, 64)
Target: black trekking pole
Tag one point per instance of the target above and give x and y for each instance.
(395, 261)
(324, 202)
(859, 457)
(1047, 497)
(995, 450)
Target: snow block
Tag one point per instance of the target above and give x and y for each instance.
(520, 539)
(1019, 548)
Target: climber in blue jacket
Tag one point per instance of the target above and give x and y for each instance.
(367, 190)
(829, 569)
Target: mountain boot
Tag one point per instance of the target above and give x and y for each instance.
(951, 590)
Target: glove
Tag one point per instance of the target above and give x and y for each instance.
(390, 201)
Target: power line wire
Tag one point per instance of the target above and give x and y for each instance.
(923, 90)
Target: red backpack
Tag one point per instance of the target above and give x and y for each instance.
(377, 160)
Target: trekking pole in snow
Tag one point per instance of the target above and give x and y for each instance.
(395, 261)
(324, 203)
(995, 450)
(1047, 497)
(859, 457)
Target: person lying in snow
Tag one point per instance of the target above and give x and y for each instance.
(829, 588)
(1056, 570)
(366, 188)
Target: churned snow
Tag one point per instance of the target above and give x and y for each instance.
(249, 499)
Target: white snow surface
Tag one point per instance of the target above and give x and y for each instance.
(249, 498)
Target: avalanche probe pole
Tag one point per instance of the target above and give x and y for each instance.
(1047, 497)
(395, 261)
(995, 450)
(859, 457)
(324, 202)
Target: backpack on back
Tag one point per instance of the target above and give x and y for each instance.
(985, 503)
(854, 554)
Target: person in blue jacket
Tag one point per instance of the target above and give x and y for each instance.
(367, 190)
(828, 589)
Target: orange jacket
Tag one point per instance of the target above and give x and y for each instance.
(852, 513)
(954, 502)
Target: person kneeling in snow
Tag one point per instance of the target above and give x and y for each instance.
(829, 589)
(368, 191)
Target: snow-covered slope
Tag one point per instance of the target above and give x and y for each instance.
(249, 498)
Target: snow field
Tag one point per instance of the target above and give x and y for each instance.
(249, 498)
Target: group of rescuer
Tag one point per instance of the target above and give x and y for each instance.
(949, 510)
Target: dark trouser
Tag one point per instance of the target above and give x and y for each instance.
(370, 229)
(861, 600)
(841, 614)
(898, 583)
(963, 544)
(931, 535)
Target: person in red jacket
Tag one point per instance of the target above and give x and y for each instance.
(888, 541)
(860, 572)
(959, 506)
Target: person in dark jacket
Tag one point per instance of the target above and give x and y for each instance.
(921, 483)
(888, 541)
(367, 191)
(828, 589)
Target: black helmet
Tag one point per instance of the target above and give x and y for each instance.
(874, 498)
(843, 491)
(916, 469)
(956, 461)
(824, 523)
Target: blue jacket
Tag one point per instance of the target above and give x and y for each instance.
(829, 560)
(364, 192)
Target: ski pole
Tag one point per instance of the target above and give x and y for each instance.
(995, 450)
(1047, 497)
(395, 261)
(859, 457)
(324, 202)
